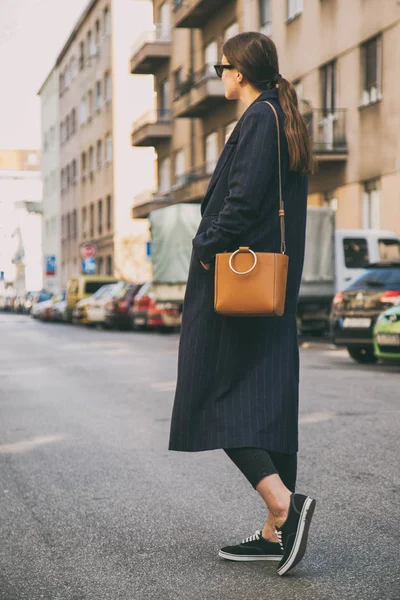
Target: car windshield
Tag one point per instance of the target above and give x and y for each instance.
(44, 296)
(92, 286)
(378, 278)
(102, 291)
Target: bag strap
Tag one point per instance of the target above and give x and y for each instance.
(281, 211)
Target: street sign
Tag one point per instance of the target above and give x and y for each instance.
(89, 266)
(88, 251)
(148, 249)
(50, 265)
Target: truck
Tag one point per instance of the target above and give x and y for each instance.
(333, 258)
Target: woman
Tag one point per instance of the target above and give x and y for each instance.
(238, 377)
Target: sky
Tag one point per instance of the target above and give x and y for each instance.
(32, 33)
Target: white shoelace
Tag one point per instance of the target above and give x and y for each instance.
(279, 534)
(253, 538)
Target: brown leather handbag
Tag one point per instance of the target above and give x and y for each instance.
(253, 284)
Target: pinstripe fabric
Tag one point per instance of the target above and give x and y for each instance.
(238, 377)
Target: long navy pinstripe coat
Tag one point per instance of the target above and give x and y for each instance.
(238, 377)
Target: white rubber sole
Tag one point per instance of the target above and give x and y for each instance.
(248, 558)
(300, 542)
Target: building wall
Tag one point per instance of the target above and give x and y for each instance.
(50, 167)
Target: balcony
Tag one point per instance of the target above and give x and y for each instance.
(192, 185)
(153, 127)
(199, 95)
(195, 13)
(328, 134)
(147, 201)
(151, 50)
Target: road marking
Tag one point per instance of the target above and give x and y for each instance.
(316, 417)
(164, 386)
(25, 446)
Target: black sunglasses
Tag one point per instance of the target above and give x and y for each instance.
(219, 69)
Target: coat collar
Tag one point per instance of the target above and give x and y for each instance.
(230, 144)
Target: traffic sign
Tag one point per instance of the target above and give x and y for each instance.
(88, 251)
(89, 266)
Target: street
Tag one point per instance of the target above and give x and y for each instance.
(93, 506)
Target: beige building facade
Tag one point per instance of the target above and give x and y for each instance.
(341, 56)
(100, 172)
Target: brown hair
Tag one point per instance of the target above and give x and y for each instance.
(254, 55)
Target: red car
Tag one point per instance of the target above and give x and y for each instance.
(119, 307)
(147, 313)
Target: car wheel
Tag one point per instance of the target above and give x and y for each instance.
(364, 356)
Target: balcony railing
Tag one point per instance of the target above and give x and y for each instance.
(151, 49)
(200, 93)
(203, 171)
(327, 129)
(149, 200)
(195, 13)
(152, 127)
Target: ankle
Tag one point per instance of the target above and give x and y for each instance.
(269, 534)
(280, 511)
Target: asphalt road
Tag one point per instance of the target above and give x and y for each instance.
(94, 507)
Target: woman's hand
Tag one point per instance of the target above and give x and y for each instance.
(206, 266)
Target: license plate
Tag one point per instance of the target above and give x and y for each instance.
(356, 323)
(139, 321)
(388, 339)
(172, 320)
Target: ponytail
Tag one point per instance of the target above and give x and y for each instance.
(300, 151)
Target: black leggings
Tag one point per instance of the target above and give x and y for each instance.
(257, 463)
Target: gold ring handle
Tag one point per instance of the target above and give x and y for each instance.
(242, 272)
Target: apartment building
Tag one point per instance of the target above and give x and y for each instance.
(99, 170)
(341, 56)
(50, 168)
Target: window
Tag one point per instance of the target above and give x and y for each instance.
(389, 249)
(264, 7)
(73, 172)
(61, 83)
(83, 164)
(328, 78)
(107, 87)
(66, 77)
(180, 168)
(371, 71)
(371, 205)
(177, 83)
(62, 132)
(74, 224)
(63, 227)
(231, 31)
(109, 265)
(100, 266)
(99, 154)
(67, 128)
(108, 148)
(107, 22)
(165, 176)
(90, 105)
(73, 68)
(97, 34)
(164, 99)
(211, 152)
(98, 95)
(68, 180)
(100, 216)
(91, 222)
(355, 253)
(81, 56)
(210, 57)
(91, 160)
(84, 222)
(295, 8)
(83, 111)
(73, 121)
(109, 217)
(165, 22)
(68, 225)
(90, 45)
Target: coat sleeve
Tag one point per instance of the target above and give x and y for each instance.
(253, 165)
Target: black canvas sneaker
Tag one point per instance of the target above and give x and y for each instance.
(293, 533)
(255, 547)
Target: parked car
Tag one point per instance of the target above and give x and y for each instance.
(19, 303)
(59, 308)
(96, 307)
(147, 313)
(82, 287)
(386, 335)
(80, 312)
(40, 310)
(356, 309)
(33, 298)
(117, 310)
